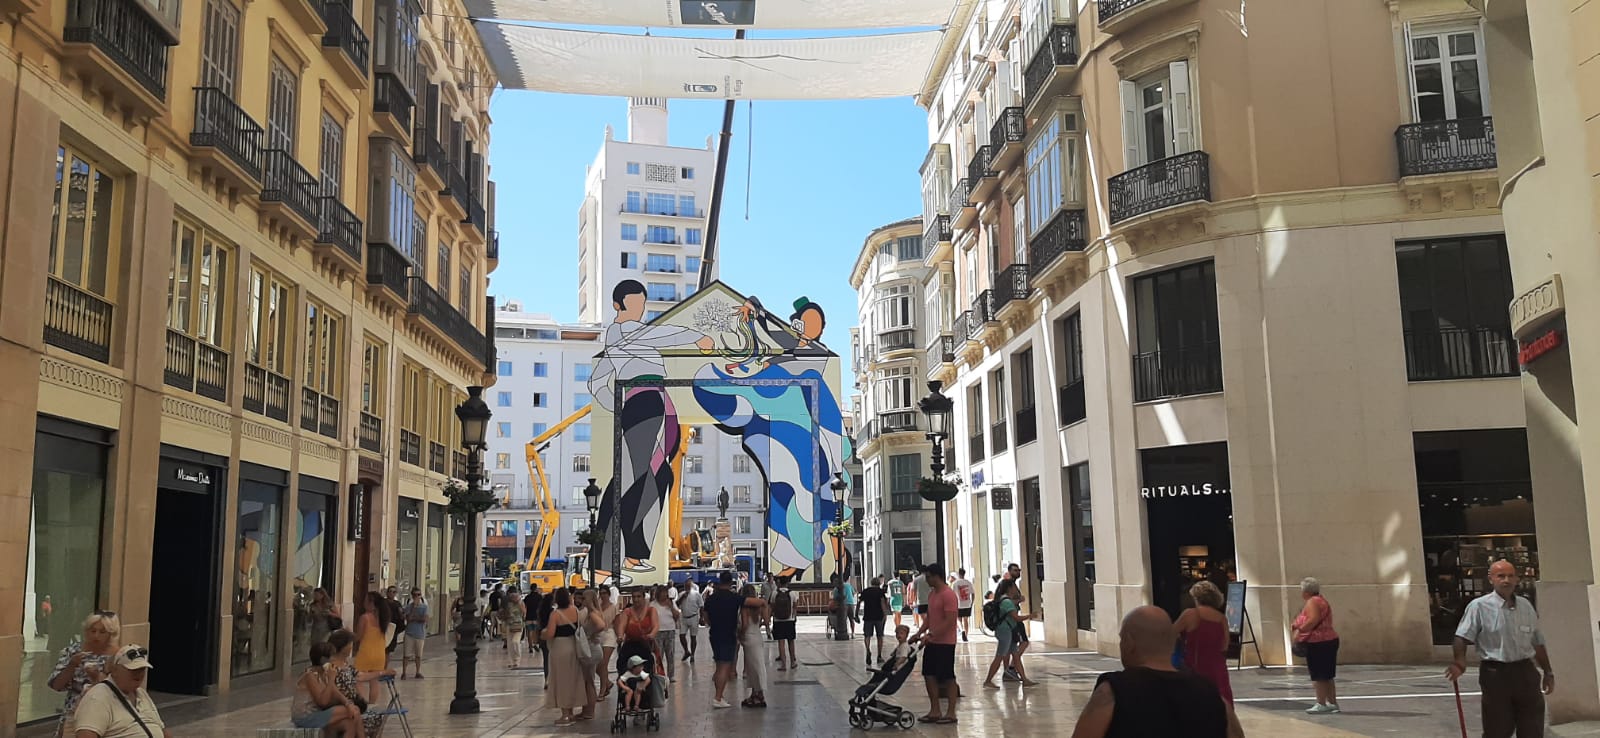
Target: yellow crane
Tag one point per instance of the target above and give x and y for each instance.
(549, 516)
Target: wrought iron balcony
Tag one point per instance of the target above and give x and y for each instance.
(369, 435)
(1074, 406)
(438, 312)
(345, 34)
(961, 327)
(899, 339)
(389, 95)
(127, 34)
(1187, 370)
(671, 212)
(899, 421)
(959, 195)
(1461, 352)
(1060, 49)
(941, 351)
(492, 248)
(477, 215)
(428, 153)
(1110, 8)
(196, 366)
(1171, 181)
(410, 448)
(284, 181)
(978, 168)
(389, 269)
(221, 124)
(339, 228)
(266, 392)
(1012, 284)
(455, 187)
(77, 321)
(938, 231)
(1443, 146)
(319, 413)
(1067, 232)
(983, 313)
(1007, 134)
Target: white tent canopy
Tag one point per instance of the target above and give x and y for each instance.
(744, 13)
(591, 63)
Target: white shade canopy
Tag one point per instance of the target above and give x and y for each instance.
(730, 13)
(593, 63)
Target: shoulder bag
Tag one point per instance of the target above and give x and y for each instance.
(129, 707)
(581, 645)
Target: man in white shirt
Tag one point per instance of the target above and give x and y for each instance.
(917, 595)
(689, 604)
(964, 599)
(1504, 629)
(119, 707)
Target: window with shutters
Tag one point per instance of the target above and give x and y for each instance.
(1055, 168)
(1157, 116)
(283, 86)
(331, 159)
(1446, 70)
(219, 55)
(442, 273)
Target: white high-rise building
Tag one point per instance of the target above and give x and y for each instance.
(643, 215)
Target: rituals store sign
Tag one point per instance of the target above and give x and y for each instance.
(1205, 489)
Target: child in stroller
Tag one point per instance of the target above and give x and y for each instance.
(868, 707)
(641, 693)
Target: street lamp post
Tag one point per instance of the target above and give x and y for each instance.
(468, 503)
(938, 408)
(591, 499)
(841, 495)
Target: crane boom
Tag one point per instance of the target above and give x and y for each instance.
(549, 516)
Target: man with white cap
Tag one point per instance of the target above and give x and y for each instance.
(119, 707)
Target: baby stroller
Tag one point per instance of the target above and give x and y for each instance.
(868, 707)
(649, 712)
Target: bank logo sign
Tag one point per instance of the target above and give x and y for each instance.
(1182, 490)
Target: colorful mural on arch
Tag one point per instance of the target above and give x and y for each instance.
(724, 360)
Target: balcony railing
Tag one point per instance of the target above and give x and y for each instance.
(345, 33)
(975, 448)
(978, 168)
(388, 268)
(1461, 352)
(899, 421)
(266, 393)
(410, 448)
(961, 327)
(898, 340)
(319, 413)
(389, 95)
(126, 33)
(959, 195)
(938, 231)
(1009, 128)
(369, 435)
(1160, 184)
(1012, 284)
(1074, 406)
(1109, 8)
(196, 366)
(477, 215)
(1189, 370)
(868, 432)
(942, 350)
(220, 123)
(983, 313)
(492, 249)
(426, 151)
(1027, 421)
(339, 227)
(436, 457)
(673, 212)
(284, 180)
(997, 437)
(1060, 49)
(77, 321)
(1442, 146)
(455, 186)
(1067, 232)
(491, 354)
(434, 308)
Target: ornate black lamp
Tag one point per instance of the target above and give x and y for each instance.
(591, 500)
(468, 503)
(938, 409)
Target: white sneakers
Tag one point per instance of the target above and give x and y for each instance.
(721, 704)
(1321, 709)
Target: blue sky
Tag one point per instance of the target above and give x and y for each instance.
(824, 175)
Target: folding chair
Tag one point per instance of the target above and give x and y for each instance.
(395, 709)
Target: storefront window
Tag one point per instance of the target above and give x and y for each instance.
(432, 568)
(907, 552)
(406, 554)
(63, 568)
(313, 569)
(1189, 509)
(256, 579)
(1081, 517)
(1476, 496)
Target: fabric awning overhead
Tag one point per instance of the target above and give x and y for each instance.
(731, 13)
(594, 63)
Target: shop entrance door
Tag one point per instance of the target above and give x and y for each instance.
(1191, 538)
(183, 609)
(1032, 548)
(982, 565)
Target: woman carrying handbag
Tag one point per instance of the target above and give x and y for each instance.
(1316, 641)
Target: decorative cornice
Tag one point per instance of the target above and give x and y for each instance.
(267, 434)
(318, 449)
(67, 374)
(192, 412)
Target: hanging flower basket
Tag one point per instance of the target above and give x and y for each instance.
(464, 502)
(591, 537)
(840, 530)
(936, 490)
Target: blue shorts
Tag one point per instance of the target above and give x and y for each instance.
(318, 719)
(1006, 641)
(725, 650)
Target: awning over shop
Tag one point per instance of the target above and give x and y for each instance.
(731, 13)
(593, 63)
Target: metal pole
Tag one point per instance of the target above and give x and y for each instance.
(466, 699)
(708, 254)
(937, 465)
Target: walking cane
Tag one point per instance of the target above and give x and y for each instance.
(1460, 714)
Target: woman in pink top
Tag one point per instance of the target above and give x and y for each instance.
(1313, 632)
(1205, 637)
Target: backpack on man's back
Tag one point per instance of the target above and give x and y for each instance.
(783, 605)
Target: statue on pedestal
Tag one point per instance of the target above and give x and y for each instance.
(722, 504)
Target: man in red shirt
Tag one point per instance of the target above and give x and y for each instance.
(939, 654)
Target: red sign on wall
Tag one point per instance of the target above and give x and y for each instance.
(1538, 347)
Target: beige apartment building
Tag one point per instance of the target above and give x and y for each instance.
(1227, 288)
(244, 258)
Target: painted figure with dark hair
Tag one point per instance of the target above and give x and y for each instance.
(647, 422)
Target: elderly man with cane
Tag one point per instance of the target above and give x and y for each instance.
(1505, 631)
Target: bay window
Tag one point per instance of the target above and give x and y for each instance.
(895, 390)
(394, 41)
(392, 218)
(1157, 117)
(1037, 18)
(1055, 167)
(936, 182)
(894, 308)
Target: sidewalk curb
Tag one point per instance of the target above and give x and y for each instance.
(1584, 729)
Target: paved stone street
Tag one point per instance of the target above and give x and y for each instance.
(1412, 701)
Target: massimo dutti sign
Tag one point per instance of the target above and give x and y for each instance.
(1205, 489)
(1537, 306)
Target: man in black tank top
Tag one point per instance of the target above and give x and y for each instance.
(1150, 698)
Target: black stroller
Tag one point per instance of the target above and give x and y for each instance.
(650, 705)
(868, 706)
